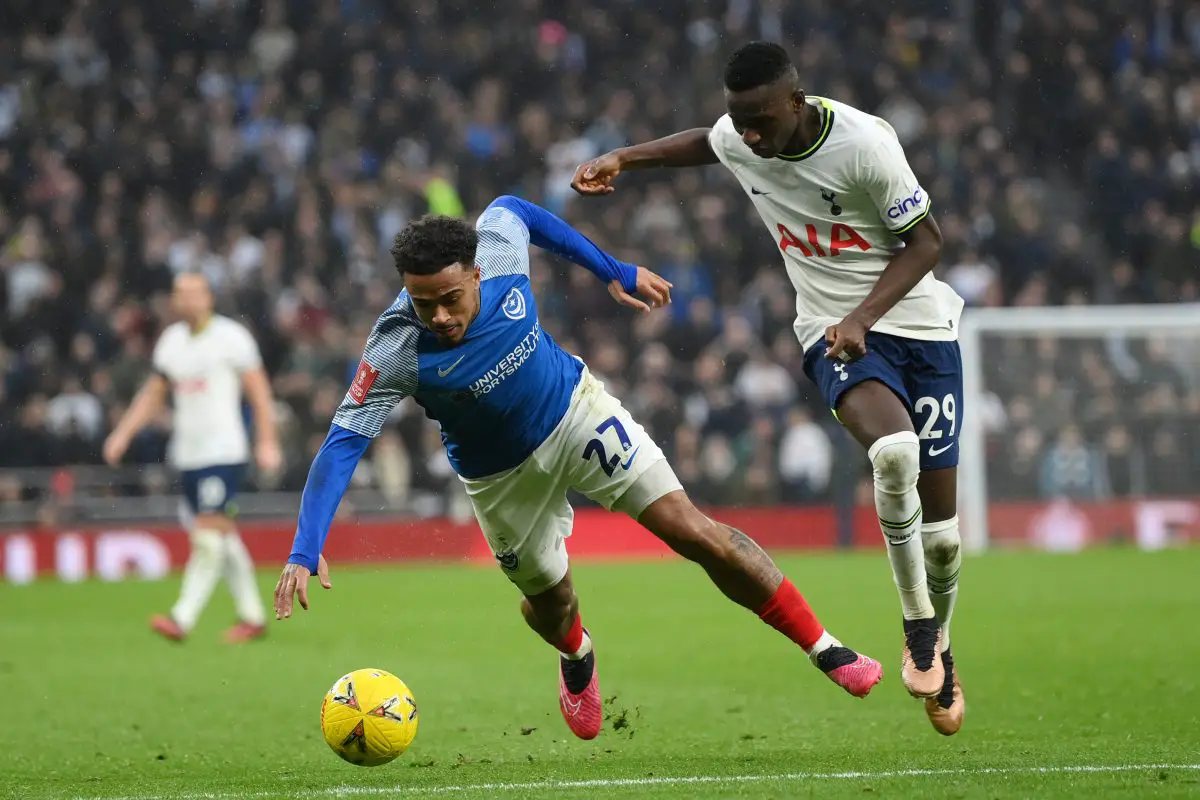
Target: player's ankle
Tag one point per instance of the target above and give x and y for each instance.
(576, 643)
(915, 603)
(826, 642)
(585, 647)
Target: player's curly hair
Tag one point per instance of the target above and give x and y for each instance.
(756, 64)
(430, 244)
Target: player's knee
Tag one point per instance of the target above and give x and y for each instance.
(701, 540)
(687, 531)
(942, 542)
(896, 462)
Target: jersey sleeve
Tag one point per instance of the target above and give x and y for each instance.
(243, 350)
(544, 230)
(503, 243)
(718, 138)
(386, 374)
(889, 180)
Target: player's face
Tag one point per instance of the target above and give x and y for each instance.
(191, 298)
(446, 301)
(767, 117)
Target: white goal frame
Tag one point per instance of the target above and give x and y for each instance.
(1065, 322)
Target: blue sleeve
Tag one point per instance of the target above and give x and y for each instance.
(551, 233)
(327, 482)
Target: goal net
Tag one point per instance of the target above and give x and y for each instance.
(1081, 426)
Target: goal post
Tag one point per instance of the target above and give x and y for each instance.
(1105, 324)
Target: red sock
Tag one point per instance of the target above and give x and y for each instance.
(789, 613)
(570, 644)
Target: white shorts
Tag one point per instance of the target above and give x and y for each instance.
(598, 450)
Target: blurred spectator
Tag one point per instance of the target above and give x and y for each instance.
(805, 459)
(1071, 469)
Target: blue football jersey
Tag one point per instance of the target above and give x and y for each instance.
(497, 394)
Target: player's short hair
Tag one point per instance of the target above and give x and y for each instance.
(756, 64)
(430, 244)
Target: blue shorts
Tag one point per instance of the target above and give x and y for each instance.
(926, 376)
(212, 490)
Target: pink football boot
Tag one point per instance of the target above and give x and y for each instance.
(583, 711)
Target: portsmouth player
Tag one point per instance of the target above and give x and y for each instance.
(853, 224)
(206, 362)
(522, 422)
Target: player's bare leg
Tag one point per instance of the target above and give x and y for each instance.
(879, 421)
(747, 576)
(554, 615)
(943, 560)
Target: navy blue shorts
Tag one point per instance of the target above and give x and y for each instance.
(926, 376)
(212, 490)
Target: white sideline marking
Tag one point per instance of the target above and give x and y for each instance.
(611, 783)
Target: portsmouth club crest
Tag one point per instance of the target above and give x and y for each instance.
(514, 305)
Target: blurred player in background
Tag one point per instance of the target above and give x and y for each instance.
(523, 421)
(206, 361)
(835, 191)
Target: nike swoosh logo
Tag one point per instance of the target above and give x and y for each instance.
(632, 456)
(444, 372)
(937, 451)
(756, 191)
(571, 703)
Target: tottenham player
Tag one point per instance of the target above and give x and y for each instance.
(835, 191)
(523, 421)
(206, 361)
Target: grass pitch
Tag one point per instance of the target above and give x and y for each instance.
(1080, 674)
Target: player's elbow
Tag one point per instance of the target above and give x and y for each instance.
(935, 244)
(926, 239)
(157, 387)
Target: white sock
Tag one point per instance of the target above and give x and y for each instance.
(821, 645)
(239, 572)
(200, 577)
(943, 562)
(585, 647)
(896, 461)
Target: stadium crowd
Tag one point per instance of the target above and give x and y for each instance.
(278, 146)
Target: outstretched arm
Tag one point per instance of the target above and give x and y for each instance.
(386, 374)
(145, 406)
(552, 233)
(549, 232)
(327, 481)
(688, 148)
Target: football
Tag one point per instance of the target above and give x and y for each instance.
(369, 717)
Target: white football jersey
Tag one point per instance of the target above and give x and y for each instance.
(205, 371)
(836, 212)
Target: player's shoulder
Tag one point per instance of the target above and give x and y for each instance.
(498, 226)
(400, 314)
(722, 136)
(503, 241)
(723, 127)
(173, 335)
(173, 331)
(392, 345)
(398, 325)
(228, 326)
(854, 130)
(499, 215)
